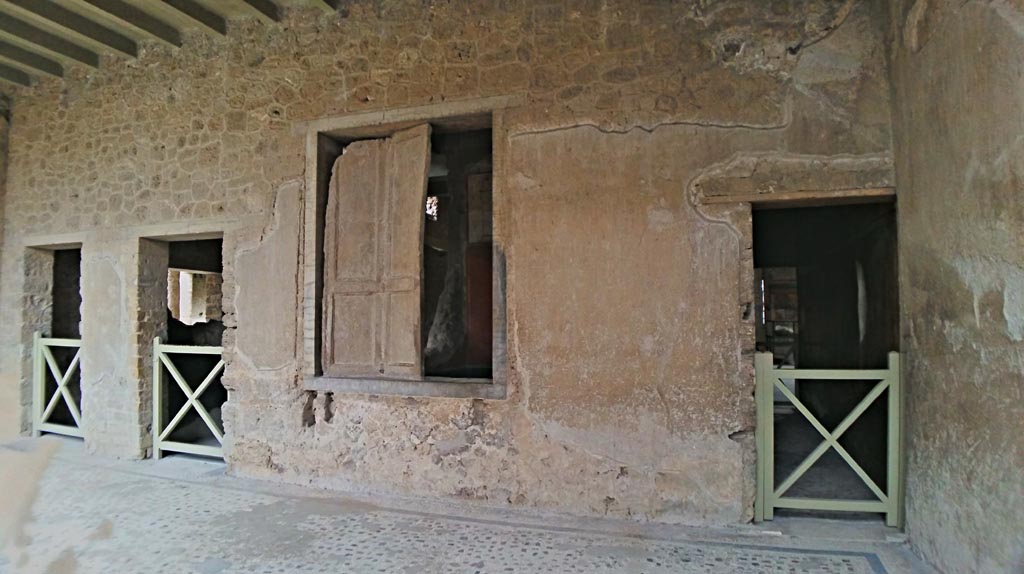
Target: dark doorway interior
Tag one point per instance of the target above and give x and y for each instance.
(66, 318)
(195, 318)
(457, 257)
(828, 298)
(65, 323)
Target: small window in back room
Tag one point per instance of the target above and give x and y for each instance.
(194, 315)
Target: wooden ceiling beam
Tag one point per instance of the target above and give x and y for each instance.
(139, 19)
(45, 11)
(267, 9)
(210, 21)
(25, 58)
(17, 29)
(14, 76)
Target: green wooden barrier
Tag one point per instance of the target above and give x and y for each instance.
(162, 358)
(43, 362)
(771, 496)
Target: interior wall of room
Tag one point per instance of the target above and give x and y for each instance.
(958, 76)
(630, 330)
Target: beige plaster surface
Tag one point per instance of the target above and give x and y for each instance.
(957, 70)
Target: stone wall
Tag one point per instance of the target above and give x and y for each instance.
(957, 72)
(629, 302)
(10, 401)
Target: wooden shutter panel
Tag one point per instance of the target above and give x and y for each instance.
(373, 246)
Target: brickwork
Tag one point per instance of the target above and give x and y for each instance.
(36, 307)
(214, 293)
(150, 306)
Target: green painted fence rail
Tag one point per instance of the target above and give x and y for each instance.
(43, 405)
(771, 496)
(163, 359)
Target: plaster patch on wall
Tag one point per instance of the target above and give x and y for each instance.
(103, 279)
(912, 33)
(670, 453)
(660, 218)
(997, 163)
(773, 172)
(841, 59)
(1012, 14)
(983, 276)
(267, 283)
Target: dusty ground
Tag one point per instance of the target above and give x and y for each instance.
(184, 515)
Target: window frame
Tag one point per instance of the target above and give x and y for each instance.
(324, 140)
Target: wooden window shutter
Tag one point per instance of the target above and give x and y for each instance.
(373, 245)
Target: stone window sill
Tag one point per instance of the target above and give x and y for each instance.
(428, 387)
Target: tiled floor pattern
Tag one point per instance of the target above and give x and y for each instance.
(96, 516)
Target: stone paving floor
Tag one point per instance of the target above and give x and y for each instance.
(182, 515)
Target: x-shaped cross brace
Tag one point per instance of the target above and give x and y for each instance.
(62, 386)
(192, 399)
(832, 439)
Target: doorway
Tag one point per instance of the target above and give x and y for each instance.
(57, 377)
(827, 299)
(187, 412)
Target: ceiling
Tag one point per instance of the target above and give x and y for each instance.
(40, 38)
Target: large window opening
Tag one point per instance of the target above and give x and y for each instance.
(827, 297)
(405, 271)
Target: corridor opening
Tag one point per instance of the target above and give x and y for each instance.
(826, 297)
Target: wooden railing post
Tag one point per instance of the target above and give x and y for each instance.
(38, 383)
(764, 400)
(158, 413)
(893, 487)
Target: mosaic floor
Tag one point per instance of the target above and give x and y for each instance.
(181, 515)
